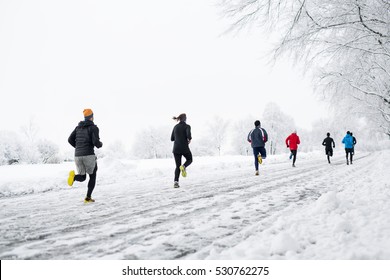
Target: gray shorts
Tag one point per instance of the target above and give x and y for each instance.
(85, 164)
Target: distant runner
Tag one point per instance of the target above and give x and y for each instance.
(292, 142)
(354, 143)
(329, 145)
(348, 142)
(181, 135)
(258, 137)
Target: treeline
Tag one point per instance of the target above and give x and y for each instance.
(219, 137)
(15, 148)
(228, 137)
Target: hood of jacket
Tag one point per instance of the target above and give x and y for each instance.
(85, 123)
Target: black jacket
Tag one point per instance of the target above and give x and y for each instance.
(84, 138)
(328, 141)
(257, 137)
(181, 134)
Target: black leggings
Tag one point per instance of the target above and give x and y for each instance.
(294, 153)
(188, 157)
(350, 152)
(91, 182)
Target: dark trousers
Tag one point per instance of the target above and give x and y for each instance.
(350, 152)
(294, 153)
(188, 157)
(329, 153)
(259, 151)
(91, 182)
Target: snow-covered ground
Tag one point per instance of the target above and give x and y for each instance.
(221, 211)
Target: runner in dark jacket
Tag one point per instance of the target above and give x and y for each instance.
(84, 138)
(181, 136)
(354, 143)
(329, 145)
(258, 137)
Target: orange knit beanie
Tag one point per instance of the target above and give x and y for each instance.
(87, 113)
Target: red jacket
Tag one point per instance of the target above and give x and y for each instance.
(292, 141)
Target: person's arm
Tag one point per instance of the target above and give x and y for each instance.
(95, 137)
(249, 138)
(72, 138)
(334, 144)
(324, 142)
(298, 140)
(188, 133)
(287, 141)
(173, 135)
(265, 138)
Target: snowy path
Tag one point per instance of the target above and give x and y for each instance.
(144, 219)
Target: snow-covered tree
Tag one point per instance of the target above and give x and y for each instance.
(278, 126)
(30, 152)
(49, 152)
(11, 148)
(153, 142)
(215, 137)
(240, 132)
(345, 44)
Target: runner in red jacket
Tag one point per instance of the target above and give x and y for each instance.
(292, 142)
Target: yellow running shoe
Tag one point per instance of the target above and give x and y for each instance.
(260, 159)
(183, 171)
(88, 200)
(71, 178)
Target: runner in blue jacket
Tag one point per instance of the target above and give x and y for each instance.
(348, 143)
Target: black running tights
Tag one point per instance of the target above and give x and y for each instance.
(188, 157)
(91, 182)
(294, 153)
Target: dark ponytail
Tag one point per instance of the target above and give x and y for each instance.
(181, 117)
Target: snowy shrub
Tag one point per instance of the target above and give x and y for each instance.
(10, 148)
(30, 154)
(16, 149)
(48, 152)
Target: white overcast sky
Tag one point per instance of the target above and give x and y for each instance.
(136, 64)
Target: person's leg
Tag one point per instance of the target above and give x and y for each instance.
(263, 152)
(351, 155)
(92, 182)
(346, 155)
(81, 170)
(178, 163)
(188, 158)
(294, 152)
(328, 155)
(255, 154)
(80, 178)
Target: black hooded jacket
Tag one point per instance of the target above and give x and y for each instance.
(84, 138)
(328, 143)
(181, 134)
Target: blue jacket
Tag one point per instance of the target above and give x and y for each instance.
(257, 137)
(348, 141)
